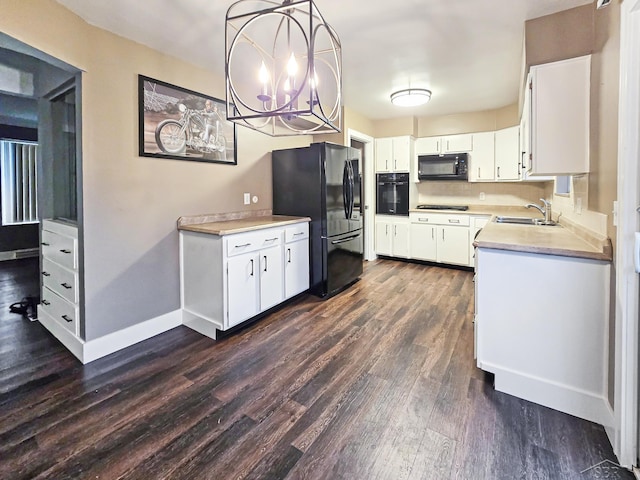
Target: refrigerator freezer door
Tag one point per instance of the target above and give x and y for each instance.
(344, 260)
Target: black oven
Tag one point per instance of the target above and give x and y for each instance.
(392, 194)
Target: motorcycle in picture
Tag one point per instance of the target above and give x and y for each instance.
(191, 131)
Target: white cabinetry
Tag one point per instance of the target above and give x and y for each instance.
(60, 284)
(232, 278)
(392, 236)
(560, 112)
(476, 223)
(439, 237)
(507, 155)
(553, 348)
(296, 259)
(393, 154)
(445, 144)
(482, 158)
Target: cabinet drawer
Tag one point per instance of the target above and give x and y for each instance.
(62, 311)
(439, 218)
(60, 249)
(296, 232)
(252, 241)
(62, 281)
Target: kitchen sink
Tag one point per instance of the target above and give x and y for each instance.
(523, 221)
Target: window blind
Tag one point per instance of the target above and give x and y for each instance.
(18, 182)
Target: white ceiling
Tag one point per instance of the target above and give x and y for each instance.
(468, 52)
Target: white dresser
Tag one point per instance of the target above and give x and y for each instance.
(60, 284)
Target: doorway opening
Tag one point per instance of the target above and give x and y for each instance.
(364, 143)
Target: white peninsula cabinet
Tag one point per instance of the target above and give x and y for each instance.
(229, 278)
(541, 326)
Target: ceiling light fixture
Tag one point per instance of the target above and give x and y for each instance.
(283, 68)
(411, 97)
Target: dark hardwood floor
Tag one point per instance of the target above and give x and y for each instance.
(378, 382)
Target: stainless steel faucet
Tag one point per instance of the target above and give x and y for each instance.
(544, 210)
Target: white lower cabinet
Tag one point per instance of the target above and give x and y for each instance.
(392, 236)
(440, 237)
(231, 278)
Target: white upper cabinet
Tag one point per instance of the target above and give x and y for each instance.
(393, 154)
(481, 158)
(445, 144)
(508, 153)
(560, 110)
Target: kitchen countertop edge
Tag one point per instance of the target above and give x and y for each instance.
(230, 227)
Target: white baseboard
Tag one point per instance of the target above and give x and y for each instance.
(199, 324)
(88, 351)
(18, 254)
(564, 398)
(108, 344)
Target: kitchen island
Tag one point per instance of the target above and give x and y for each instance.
(234, 269)
(542, 315)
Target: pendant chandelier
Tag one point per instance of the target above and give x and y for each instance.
(283, 68)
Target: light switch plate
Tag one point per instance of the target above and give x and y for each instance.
(247, 198)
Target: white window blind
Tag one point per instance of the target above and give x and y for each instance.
(19, 182)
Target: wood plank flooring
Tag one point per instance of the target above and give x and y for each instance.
(378, 382)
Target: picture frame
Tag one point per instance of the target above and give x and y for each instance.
(180, 124)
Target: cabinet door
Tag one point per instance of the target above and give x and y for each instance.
(242, 288)
(423, 242)
(271, 277)
(560, 104)
(400, 242)
(508, 154)
(401, 153)
(457, 143)
(481, 158)
(296, 268)
(383, 238)
(453, 245)
(384, 154)
(428, 146)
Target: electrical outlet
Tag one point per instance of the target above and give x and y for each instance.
(578, 205)
(255, 199)
(481, 195)
(247, 198)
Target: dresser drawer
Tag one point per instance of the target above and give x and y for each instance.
(61, 310)
(61, 280)
(60, 249)
(251, 241)
(296, 232)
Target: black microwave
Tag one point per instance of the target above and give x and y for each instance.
(443, 167)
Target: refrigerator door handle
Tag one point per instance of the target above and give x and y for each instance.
(344, 240)
(345, 189)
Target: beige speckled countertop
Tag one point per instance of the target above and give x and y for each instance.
(556, 240)
(228, 227)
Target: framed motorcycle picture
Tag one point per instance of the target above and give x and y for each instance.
(182, 124)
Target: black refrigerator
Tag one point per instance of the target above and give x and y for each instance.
(323, 182)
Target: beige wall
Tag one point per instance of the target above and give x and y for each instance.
(131, 203)
(352, 120)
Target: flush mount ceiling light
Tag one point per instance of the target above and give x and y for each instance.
(411, 97)
(283, 68)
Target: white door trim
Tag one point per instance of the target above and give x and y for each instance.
(369, 190)
(625, 441)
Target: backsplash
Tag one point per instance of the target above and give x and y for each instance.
(465, 193)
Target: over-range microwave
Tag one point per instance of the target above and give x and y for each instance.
(443, 167)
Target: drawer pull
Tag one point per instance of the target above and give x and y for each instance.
(45, 274)
(64, 250)
(271, 239)
(67, 318)
(423, 219)
(44, 244)
(46, 302)
(299, 233)
(66, 285)
(243, 245)
(454, 221)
